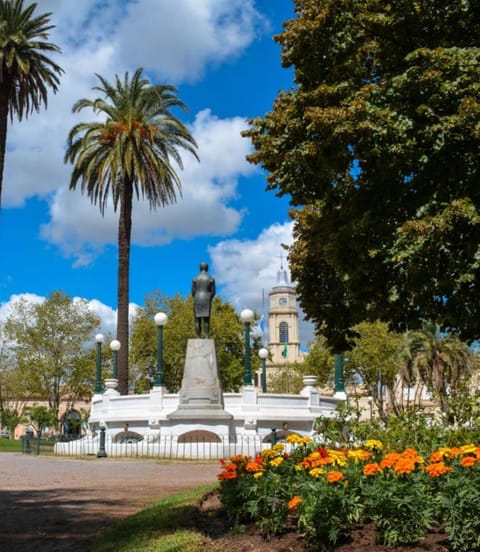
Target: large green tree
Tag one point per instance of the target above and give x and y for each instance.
(129, 154)
(49, 349)
(26, 71)
(225, 327)
(378, 147)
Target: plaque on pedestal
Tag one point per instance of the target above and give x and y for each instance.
(201, 395)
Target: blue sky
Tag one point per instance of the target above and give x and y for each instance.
(221, 56)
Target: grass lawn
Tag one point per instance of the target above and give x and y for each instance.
(167, 526)
(10, 445)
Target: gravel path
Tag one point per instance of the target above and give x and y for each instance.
(60, 504)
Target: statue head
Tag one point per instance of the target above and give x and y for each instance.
(204, 266)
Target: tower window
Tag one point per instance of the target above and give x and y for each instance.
(283, 328)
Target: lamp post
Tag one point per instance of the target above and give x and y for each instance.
(247, 316)
(263, 354)
(160, 320)
(339, 382)
(115, 347)
(98, 382)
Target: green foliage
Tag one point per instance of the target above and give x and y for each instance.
(400, 505)
(225, 327)
(459, 502)
(377, 145)
(318, 362)
(48, 349)
(287, 380)
(328, 509)
(11, 418)
(40, 417)
(375, 358)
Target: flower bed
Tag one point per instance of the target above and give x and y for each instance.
(324, 492)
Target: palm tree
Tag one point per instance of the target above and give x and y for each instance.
(440, 361)
(128, 156)
(26, 73)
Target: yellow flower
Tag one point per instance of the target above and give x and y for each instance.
(359, 454)
(468, 449)
(316, 472)
(373, 444)
(269, 453)
(257, 475)
(338, 457)
(276, 461)
(294, 439)
(278, 447)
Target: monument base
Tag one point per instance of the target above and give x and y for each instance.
(201, 395)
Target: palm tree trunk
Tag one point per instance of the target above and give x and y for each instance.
(3, 131)
(123, 290)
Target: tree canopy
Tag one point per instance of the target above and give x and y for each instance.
(378, 147)
(49, 354)
(225, 327)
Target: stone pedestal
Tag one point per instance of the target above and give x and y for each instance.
(201, 395)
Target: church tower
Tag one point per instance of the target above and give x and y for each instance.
(284, 343)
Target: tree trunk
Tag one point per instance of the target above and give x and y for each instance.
(3, 130)
(123, 289)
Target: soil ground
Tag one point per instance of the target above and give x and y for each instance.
(52, 504)
(59, 504)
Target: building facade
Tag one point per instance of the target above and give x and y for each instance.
(284, 342)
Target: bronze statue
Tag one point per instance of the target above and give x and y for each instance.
(203, 292)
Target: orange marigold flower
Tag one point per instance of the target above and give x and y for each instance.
(227, 474)
(404, 465)
(409, 453)
(294, 502)
(334, 476)
(437, 469)
(456, 451)
(435, 457)
(467, 461)
(254, 467)
(389, 460)
(372, 469)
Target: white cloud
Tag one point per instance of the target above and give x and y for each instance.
(171, 39)
(248, 270)
(178, 39)
(78, 229)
